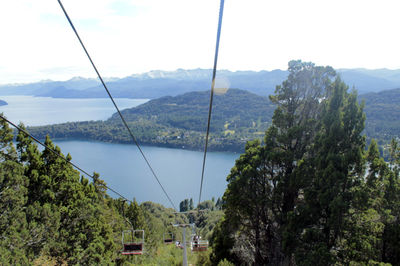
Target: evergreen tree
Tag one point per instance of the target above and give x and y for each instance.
(391, 235)
(184, 205)
(191, 206)
(362, 238)
(13, 196)
(287, 142)
(135, 216)
(336, 163)
(266, 183)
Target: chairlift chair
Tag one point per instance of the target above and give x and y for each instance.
(179, 244)
(132, 242)
(198, 245)
(168, 238)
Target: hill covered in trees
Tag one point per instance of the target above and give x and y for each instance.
(382, 115)
(238, 116)
(179, 122)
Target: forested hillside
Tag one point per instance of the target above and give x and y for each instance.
(312, 193)
(179, 122)
(233, 110)
(382, 115)
(238, 116)
(50, 215)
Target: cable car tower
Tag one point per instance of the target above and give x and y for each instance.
(184, 226)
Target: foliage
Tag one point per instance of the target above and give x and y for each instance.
(50, 215)
(311, 194)
(186, 205)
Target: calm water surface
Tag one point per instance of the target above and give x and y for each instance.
(38, 111)
(124, 169)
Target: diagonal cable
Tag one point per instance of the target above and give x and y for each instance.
(115, 105)
(221, 11)
(59, 155)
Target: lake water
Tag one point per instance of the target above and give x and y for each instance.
(38, 111)
(121, 165)
(179, 171)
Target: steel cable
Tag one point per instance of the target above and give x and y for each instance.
(115, 105)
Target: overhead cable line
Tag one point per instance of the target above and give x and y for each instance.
(59, 155)
(115, 105)
(221, 11)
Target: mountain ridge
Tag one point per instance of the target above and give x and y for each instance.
(158, 83)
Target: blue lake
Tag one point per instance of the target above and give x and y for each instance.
(121, 165)
(38, 111)
(179, 171)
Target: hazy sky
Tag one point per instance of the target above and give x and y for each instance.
(135, 36)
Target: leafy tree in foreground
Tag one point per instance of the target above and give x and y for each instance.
(291, 200)
(13, 196)
(336, 166)
(391, 235)
(265, 184)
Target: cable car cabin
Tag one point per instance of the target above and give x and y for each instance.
(168, 238)
(198, 245)
(132, 242)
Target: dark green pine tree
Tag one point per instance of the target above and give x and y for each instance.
(266, 184)
(287, 142)
(75, 208)
(191, 205)
(42, 215)
(336, 164)
(391, 235)
(184, 205)
(248, 202)
(362, 235)
(14, 234)
(222, 242)
(135, 216)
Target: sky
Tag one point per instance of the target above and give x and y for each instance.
(126, 37)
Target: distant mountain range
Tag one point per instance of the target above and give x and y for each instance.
(155, 84)
(3, 102)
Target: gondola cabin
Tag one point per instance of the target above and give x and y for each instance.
(132, 242)
(168, 238)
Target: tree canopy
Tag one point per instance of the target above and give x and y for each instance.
(311, 193)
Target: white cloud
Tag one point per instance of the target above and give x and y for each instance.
(131, 36)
